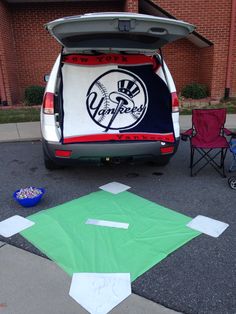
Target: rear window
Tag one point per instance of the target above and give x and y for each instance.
(130, 41)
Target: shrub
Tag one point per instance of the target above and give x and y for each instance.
(34, 95)
(195, 91)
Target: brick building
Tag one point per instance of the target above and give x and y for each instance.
(208, 56)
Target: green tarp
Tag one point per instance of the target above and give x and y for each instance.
(154, 232)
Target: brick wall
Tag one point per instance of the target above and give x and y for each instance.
(233, 93)
(131, 6)
(212, 19)
(206, 60)
(9, 90)
(182, 58)
(27, 52)
(36, 50)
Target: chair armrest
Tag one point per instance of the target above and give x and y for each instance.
(227, 132)
(186, 134)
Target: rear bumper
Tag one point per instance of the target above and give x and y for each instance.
(98, 151)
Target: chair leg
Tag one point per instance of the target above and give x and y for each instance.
(205, 154)
(223, 155)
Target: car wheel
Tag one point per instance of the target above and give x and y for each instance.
(160, 161)
(48, 163)
(232, 183)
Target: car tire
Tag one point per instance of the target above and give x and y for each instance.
(49, 163)
(160, 161)
(232, 182)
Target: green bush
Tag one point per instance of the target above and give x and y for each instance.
(195, 91)
(34, 95)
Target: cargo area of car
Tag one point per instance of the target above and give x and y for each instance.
(109, 93)
(114, 97)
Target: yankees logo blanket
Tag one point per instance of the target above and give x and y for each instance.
(114, 97)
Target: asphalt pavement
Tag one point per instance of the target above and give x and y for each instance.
(198, 278)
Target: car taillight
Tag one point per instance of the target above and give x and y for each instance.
(175, 102)
(63, 153)
(48, 103)
(167, 150)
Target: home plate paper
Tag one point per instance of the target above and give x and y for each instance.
(209, 226)
(99, 293)
(154, 232)
(14, 225)
(114, 187)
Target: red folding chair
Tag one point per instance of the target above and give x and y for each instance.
(207, 138)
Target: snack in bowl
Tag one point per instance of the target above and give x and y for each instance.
(29, 196)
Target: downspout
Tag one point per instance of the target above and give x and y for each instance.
(3, 98)
(230, 51)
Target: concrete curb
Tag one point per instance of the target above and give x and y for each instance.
(30, 131)
(27, 131)
(26, 290)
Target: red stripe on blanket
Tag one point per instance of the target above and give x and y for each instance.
(167, 137)
(111, 58)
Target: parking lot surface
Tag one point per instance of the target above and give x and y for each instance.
(200, 277)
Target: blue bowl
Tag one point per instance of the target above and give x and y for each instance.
(29, 202)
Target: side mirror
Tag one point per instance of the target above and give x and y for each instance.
(46, 77)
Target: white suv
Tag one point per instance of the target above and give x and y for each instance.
(110, 94)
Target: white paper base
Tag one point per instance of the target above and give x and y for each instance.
(99, 293)
(209, 226)
(114, 187)
(107, 223)
(13, 225)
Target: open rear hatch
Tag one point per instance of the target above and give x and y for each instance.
(111, 91)
(116, 31)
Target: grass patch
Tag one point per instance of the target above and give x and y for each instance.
(186, 108)
(19, 115)
(31, 114)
